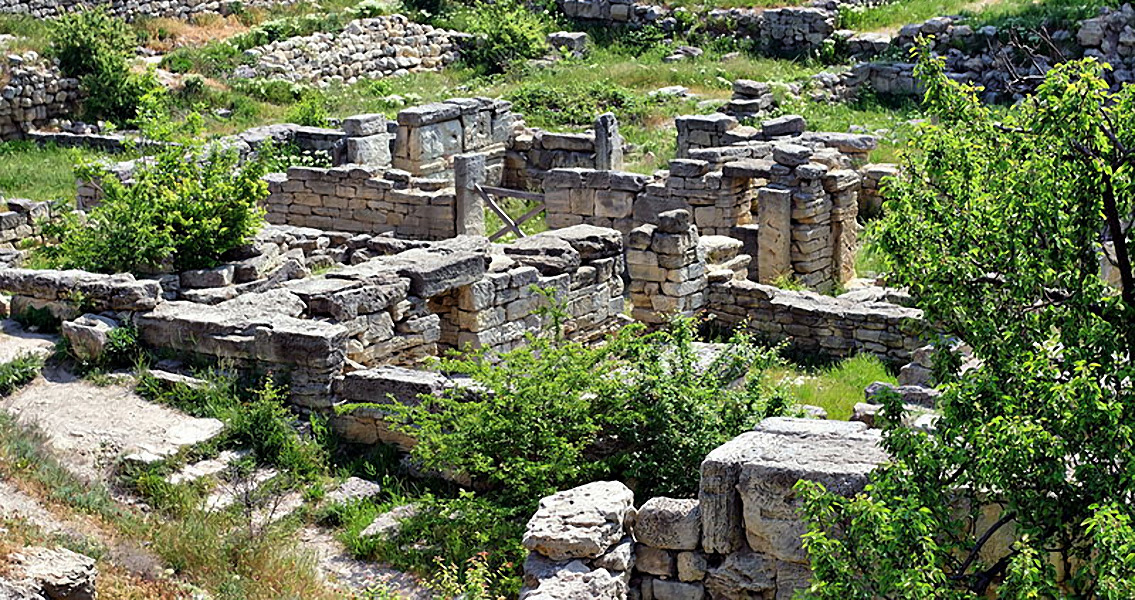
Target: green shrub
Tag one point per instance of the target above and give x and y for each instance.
(310, 111)
(577, 104)
(95, 47)
(183, 211)
(547, 422)
(506, 31)
(266, 427)
(18, 372)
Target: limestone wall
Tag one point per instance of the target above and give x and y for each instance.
(818, 323)
(429, 136)
(129, 9)
(21, 220)
(386, 46)
(739, 539)
(33, 93)
(361, 199)
(533, 153)
(983, 57)
(667, 269)
(601, 198)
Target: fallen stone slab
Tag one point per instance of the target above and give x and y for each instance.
(90, 426)
(54, 573)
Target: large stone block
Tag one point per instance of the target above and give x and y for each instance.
(582, 522)
(669, 523)
(776, 455)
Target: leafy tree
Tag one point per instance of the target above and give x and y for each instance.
(998, 226)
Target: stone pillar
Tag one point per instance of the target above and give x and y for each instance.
(774, 233)
(608, 143)
(843, 187)
(667, 271)
(811, 252)
(469, 212)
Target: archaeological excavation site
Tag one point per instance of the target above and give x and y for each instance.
(583, 299)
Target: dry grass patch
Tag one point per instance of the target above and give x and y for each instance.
(163, 35)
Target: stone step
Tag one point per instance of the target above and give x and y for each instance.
(208, 467)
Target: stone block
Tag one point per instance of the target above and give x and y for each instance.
(669, 523)
(583, 522)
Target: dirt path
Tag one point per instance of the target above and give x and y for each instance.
(89, 425)
(352, 575)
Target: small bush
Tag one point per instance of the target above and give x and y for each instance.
(183, 211)
(310, 111)
(18, 372)
(506, 31)
(549, 423)
(95, 47)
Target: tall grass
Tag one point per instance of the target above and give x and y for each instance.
(836, 388)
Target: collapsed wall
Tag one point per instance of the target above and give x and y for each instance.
(33, 93)
(131, 10)
(739, 539)
(386, 46)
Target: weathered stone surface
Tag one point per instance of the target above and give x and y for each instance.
(590, 241)
(582, 522)
(669, 523)
(569, 580)
(743, 575)
(779, 453)
(390, 384)
(654, 561)
(102, 292)
(434, 273)
(56, 573)
(387, 524)
(208, 278)
(692, 566)
(674, 590)
(353, 489)
(88, 335)
(619, 558)
(549, 254)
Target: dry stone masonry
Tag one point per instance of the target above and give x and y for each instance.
(21, 221)
(33, 93)
(739, 539)
(130, 9)
(387, 46)
(667, 269)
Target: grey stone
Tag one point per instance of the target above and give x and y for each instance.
(582, 522)
(549, 254)
(674, 590)
(591, 242)
(785, 125)
(88, 335)
(389, 523)
(208, 278)
(655, 561)
(569, 580)
(669, 523)
(351, 490)
(55, 573)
